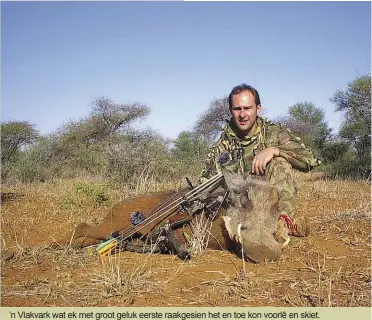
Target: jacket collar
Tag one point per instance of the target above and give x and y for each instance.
(231, 130)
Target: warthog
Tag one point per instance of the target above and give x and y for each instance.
(248, 220)
(118, 219)
(252, 216)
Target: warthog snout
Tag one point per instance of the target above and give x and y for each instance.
(252, 217)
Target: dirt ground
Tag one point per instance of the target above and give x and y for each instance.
(331, 267)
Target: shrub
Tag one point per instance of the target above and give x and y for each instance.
(85, 194)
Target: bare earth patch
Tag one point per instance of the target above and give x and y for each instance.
(332, 267)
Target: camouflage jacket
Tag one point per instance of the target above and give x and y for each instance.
(267, 134)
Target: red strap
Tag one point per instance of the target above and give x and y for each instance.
(289, 222)
(286, 219)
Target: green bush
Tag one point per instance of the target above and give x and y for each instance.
(85, 195)
(96, 193)
(346, 166)
(25, 169)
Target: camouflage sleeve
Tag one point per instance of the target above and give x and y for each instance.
(293, 150)
(210, 166)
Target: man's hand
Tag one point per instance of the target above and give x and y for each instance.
(262, 159)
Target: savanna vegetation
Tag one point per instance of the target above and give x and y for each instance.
(104, 145)
(78, 172)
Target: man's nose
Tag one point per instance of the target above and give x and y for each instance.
(242, 113)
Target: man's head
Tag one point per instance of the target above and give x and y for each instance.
(245, 105)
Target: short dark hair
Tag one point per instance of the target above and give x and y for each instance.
(241, 88)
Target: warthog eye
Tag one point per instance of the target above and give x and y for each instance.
(246, 202)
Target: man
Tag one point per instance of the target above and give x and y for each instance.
(260, 147)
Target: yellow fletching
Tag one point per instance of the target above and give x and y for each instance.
(106, 249)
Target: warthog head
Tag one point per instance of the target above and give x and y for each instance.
(252, 216)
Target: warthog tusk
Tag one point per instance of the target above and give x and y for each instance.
(286, 242)
(239, 232)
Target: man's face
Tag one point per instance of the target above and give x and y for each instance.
(244, 112)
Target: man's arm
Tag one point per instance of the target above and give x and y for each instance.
(293, 150)
(211, 167)
(281, 143)
(263, 158)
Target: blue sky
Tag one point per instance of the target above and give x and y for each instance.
(176, 56)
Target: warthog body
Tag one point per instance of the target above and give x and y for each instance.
(251, 219)
(118, 219)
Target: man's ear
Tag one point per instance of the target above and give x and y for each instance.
(259, 109)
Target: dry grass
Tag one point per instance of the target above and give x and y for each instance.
(118, 279)
(201, 232)
(329, 268)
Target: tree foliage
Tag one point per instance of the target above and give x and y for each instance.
(110, 117)
(14, 135)
(78, 147)
(137, 154)
(94, 133)
(333, 150)
(189, 146)
(106, 119)
(306, 120)
(210, 123)
(355, 102)
(104, 144)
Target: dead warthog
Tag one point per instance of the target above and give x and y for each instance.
(248, 220)
(118, 220)
(252, 216)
